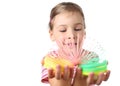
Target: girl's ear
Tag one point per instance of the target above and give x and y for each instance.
(51, 35)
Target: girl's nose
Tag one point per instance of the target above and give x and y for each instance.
(71, 35)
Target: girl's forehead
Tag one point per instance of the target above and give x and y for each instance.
(68, 18)
(67, 14)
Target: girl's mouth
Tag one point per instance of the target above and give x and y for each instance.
(71, 45)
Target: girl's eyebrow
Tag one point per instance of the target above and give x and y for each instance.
(62, 25)
(74, 24)
(78, 24)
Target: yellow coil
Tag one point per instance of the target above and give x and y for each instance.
(52, 62)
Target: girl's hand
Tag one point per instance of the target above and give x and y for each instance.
(79, 79)
(91, 79)
(59, 78)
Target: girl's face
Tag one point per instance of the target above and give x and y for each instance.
(68, 29)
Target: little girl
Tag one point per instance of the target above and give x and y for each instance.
(67, 24)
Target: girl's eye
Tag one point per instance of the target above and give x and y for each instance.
(78, 29)
(62, 30)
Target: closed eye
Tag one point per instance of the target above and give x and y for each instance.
(62, 30)
(78, 29)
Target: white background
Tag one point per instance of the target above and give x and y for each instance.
(24, 38)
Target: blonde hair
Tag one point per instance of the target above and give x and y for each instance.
(62, 7)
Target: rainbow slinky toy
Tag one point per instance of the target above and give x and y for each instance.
(52, 62)
(92, 63)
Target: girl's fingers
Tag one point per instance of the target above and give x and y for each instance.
(100, 78)
(106, 75)
(93, 79)
(79, 73)
(90, 79)
(66, 74)
(71, 72)
(50, 73)
(58, 72)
